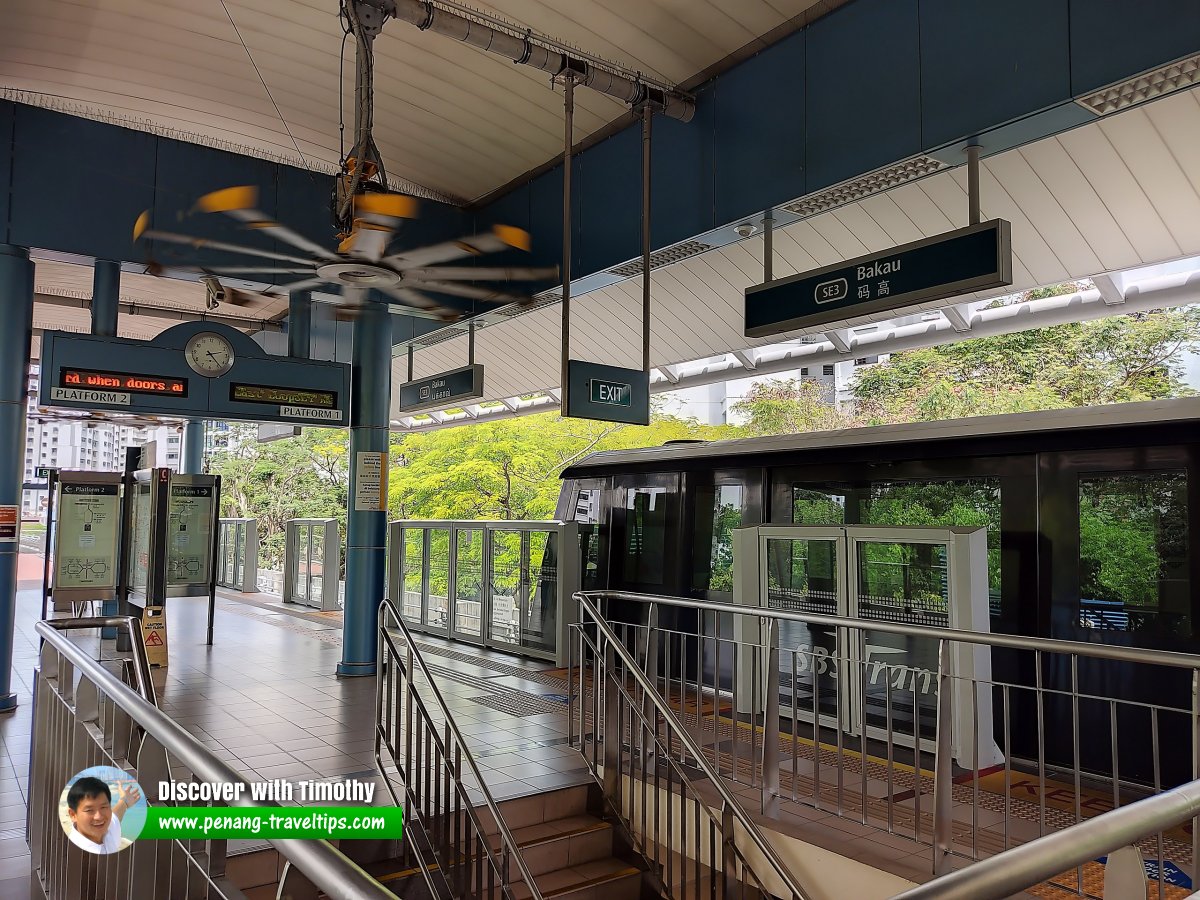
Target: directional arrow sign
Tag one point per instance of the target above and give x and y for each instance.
(949, 265)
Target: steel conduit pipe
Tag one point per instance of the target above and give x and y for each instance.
(523, 51)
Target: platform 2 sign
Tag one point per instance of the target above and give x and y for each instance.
(975, 258)
(441, 390)
(607, 393)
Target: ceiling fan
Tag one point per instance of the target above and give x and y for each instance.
(366, 214)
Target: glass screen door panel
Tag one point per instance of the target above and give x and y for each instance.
(539, 591)
(316, 565)
(468, 585)
(506, 587)
(437, 588)
(903, 582)
(411, 571)
(804, 575)
(303, 570)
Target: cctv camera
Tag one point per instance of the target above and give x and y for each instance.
(214, 293)
(745, 229)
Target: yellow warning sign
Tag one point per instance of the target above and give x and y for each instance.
(154, 635)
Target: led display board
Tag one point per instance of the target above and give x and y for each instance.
(122, 381)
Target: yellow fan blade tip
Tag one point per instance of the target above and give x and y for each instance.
(397, 206)
(229, 199)
(514, 237)
(142, 223)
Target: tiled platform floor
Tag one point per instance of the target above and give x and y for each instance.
(264, 698)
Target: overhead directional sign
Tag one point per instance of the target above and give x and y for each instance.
(607, 393)
(444, 389)
(157, 377)
(970, 259)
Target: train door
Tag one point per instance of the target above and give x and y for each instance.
(1121, 568)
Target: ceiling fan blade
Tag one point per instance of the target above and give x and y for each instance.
(500, 238)
(376, 218)
(470, 291)
(255, 270)
(418, 304)
(203, 243)
(479, 273)
(302, 285)
(239, 203)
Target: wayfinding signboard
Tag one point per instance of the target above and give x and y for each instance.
(970, 259)
(443, 389)
(190, 532)
(607, 393)
(85, 542)
(198, 370)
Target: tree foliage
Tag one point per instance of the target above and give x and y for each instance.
(791, 406)
(509, 468)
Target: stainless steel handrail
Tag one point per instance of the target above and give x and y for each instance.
(1040, 860)
(681, 734)
(131, 626)
(1016, 642)
(320, 862)
(506, 835)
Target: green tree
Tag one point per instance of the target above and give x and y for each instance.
(1114, 360)
(301, 477)
(790, 406)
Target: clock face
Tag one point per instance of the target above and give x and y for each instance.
(209, 354)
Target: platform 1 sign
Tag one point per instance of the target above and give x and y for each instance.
(607, 393)
(975, 258)
(441, 390)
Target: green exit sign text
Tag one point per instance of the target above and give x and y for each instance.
(614, 393)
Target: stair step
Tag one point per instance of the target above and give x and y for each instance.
(561, 843)
(535, 809)
(601, 879)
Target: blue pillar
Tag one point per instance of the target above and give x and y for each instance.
(366, 531)
(106, 293)
(191, 460)
(16, 332)
(299, 324)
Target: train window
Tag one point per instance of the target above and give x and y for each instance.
(719, 510)
(645, 535)
(1133, 552)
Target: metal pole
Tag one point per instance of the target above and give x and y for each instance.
(411, 353)
(299, 324)
(366, 522)
(471, 343)
(647, 124)
(568, 157)
(943, 764)
(769, 246)
(973, 184)
(106, 295)
(192, 460)
(16, 324)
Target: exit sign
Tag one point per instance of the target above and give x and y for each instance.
(41, 473)
(607, 393)
(613, 393)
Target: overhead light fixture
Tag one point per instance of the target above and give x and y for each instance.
(864, 186)
(745, 229)
(1164, 80)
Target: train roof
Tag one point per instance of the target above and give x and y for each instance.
(1176, 411)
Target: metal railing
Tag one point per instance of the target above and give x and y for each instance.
(687, 825)
(1045, 858)
(429, 757)
(855, 736)
(85, 715)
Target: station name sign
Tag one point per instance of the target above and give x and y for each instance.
(444, 389)
(975, 258)
(607, 393)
